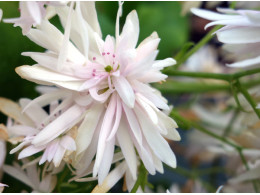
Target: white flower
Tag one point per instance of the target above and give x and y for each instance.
(31, 177)
(240, 33)
(111, 80)
(32, 14)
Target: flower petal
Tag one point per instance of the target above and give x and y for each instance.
(125, 91)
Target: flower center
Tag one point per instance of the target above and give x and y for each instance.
(108, 68)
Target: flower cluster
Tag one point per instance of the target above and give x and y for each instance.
(101, 101)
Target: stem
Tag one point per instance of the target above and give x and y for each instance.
(248, 98)
(174, 87)
(229, 127)
(202, 42)
(204, 130)
(141, 180)
(218, 76)
(247, 168)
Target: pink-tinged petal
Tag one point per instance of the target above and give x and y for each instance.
(64, 122)
(245, 63)
(35, 11)
(52, 149)
(126, 145)
(151, 94)
(147, 46)
(18, 174)
(104, 132)
(29, 151)
(130, 30)
(100, 97)
(106, 161)
(34, 112)
(140, 68)
(91, 83)
(133, 123)
(14, 111)
(124, 90)
(87, 128)
(209, 15)
(68, 143)
(159, 145)
(44, 76)
(117, 118)
(58, 156)
(239, 35)
(113, 177)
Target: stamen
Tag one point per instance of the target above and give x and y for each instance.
(114, 55)
(108, 53)
(94, 58)
(103, 53)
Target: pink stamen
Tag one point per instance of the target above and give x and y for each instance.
(94, 58)
(114, 55)
(108, 53)
(103, 53)
(94, 70)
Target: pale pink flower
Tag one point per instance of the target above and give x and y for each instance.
(240, 33)
(111, 82)
(31, 177)
(29, 125)
(32, 13)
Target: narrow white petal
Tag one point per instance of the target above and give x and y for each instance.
(44, 76)
(117, 118)
(113, 177)
(29, 151)
(106, 161)
(58, 156)
(209, 15)
(104, 132)
(126, 145)
(239, 35)
(34, 112)
(68, 143)
(159, 145)
(87, 127)
(130, 30)
(64, 122)
(245, 63)
(133, 123)
(125, 91)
